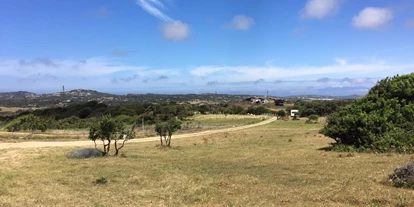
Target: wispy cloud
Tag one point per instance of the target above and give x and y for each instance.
(124, 80)
(212, 83)
(121, 53)
(38, 77)
(340, 61)
(258, 81)
(241, 22)
(92, 67)
(171, 29)
(242, 73)
(161, 78)
(154, 7)
(176, 31)
(372, 18)
(38, 62)
(320, 8)
(323, 80)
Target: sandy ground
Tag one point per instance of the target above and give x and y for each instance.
(89, 143)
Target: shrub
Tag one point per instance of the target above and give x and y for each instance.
(381, 121)
(101, 180)
(312, 119)
(403, 176)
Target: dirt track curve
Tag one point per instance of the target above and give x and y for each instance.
(148, 139)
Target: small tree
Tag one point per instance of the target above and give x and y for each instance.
(167, 128)
(172, 126)
(312, 119)
(281, 113)
(107, 130)
(161, 130)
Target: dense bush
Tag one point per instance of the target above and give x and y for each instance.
(403, 176)
(381, 121)
(257, 110)
(320, 108)
(312, 119)
(28, 122)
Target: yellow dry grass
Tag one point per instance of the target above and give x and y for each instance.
(14, 109)
(219, 117)
(279, 164)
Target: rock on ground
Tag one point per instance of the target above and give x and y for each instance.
(85, 153)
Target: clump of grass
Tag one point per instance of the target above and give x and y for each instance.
(101, 180)
(403, 176)
(402, 201)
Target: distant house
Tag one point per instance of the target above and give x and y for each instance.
(279, 102)
(257, 100)
(293, 112)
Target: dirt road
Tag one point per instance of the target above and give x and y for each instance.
(89, 143)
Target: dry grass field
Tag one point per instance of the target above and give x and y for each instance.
(195, 124)
(278, 164)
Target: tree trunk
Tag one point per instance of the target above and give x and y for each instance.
(161, 139)
(169, 141)
(116, 147)
(104, 146)
(165, 138)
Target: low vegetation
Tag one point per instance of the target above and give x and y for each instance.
(108, 130)
(382, 121)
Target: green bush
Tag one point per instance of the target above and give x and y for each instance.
(381, 121)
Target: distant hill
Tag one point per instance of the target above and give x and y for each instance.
(28, 99)
(322, 97)
(18, 95)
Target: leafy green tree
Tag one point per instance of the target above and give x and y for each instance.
(257, 110)
(203, 109)
(161, 130)
(166, 129)
(281, 113)
(172, 126)
(382, 121)
(312, 119)
(108, 130)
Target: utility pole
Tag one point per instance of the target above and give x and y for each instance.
(63, 94)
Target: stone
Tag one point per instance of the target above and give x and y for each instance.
(85, 153)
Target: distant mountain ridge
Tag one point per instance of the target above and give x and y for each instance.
(29, 99)
(75, 93)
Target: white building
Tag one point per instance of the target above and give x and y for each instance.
(293, 112)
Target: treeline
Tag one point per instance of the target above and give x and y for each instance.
(86, 114)
(318, 107)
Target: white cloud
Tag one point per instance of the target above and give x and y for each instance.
(341, 61)
(154, 7)
(320, 8)
(372, 18)
(93, 67)
(241, 22)
(245, 73)
(176, 31)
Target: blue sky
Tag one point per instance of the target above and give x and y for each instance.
(331, 47)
